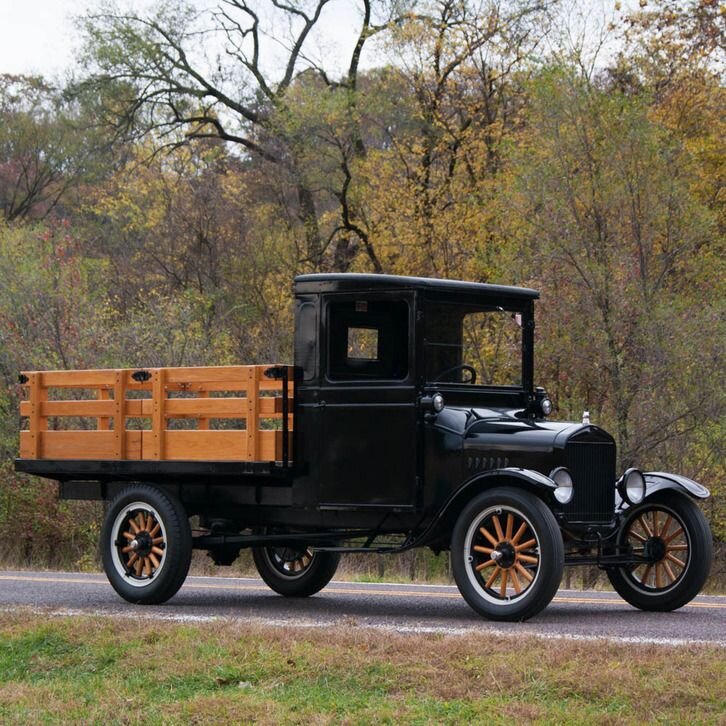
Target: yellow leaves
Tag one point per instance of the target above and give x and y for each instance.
(436, 222)
(133, 198)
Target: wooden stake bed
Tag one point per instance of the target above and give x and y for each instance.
(226, 413)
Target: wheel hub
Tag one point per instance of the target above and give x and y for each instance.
(142, 544)
(504, 555)
(655, 549)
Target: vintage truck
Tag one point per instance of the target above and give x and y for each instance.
(409, 419)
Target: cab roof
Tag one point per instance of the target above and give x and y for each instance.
(357, 282)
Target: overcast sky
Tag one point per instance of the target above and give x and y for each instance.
(38, 36)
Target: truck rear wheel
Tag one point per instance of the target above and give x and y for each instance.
(295, 571)
(507, 554)
(146, 544)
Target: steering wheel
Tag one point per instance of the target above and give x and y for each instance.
(463, 367)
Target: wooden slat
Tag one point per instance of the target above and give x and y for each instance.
(209, 374)
(272, 407)
(139, 407)
(158, 422)
(71, 408)
(216, 445)
(26, 450)
(253, 413)
(132, 445)
(203, 420)
(211, 407)
(208, 387)
(79, 379)
(201, 445)
(235, 375)
(132, 385)
(70, 445)
(119, 417)
(271, 445)
(233, 386)
(218, 378)
(189, 407)
(266, 384)
(81, 445)
(36, 423)
(104, 422)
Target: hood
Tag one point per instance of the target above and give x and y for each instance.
(503, 429)
(496, 429)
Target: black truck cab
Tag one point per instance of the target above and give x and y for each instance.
(372, 351)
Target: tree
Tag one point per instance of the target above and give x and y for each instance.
(42, 153)
(299, 120)
(452, 102)
(617, 232)
(155, 79)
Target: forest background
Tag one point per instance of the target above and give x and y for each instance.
(156, 205)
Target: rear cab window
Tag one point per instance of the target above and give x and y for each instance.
(368, 339)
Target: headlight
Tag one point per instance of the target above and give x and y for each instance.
(565, 488)
(631, 486)
(542, 402)
(431, 405)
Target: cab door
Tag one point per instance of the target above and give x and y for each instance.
(367, 405)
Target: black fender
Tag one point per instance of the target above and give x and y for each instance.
(444, 519)
(655, 481)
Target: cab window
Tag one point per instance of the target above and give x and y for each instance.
(368, 339)
(474, 345)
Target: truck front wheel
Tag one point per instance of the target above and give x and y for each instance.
(295, 571)
(507, 554)
(146, 544)
(671, 535)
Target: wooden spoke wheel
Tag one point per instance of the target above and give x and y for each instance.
(146, 543)
(290, 561)
(507, 554)
(670, 536)
(295, 571)
(139, 550)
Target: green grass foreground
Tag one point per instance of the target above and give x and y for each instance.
(99, 670)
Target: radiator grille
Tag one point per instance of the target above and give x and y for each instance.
(592, 466)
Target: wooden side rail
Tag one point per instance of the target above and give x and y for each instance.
(157, 414)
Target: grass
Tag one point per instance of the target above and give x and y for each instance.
(126, 671)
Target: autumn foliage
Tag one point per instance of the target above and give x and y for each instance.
(154, 211)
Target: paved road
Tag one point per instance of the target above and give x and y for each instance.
(403, 608)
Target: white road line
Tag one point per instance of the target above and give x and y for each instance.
(296, 623)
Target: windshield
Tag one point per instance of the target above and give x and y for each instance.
(473, 345)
